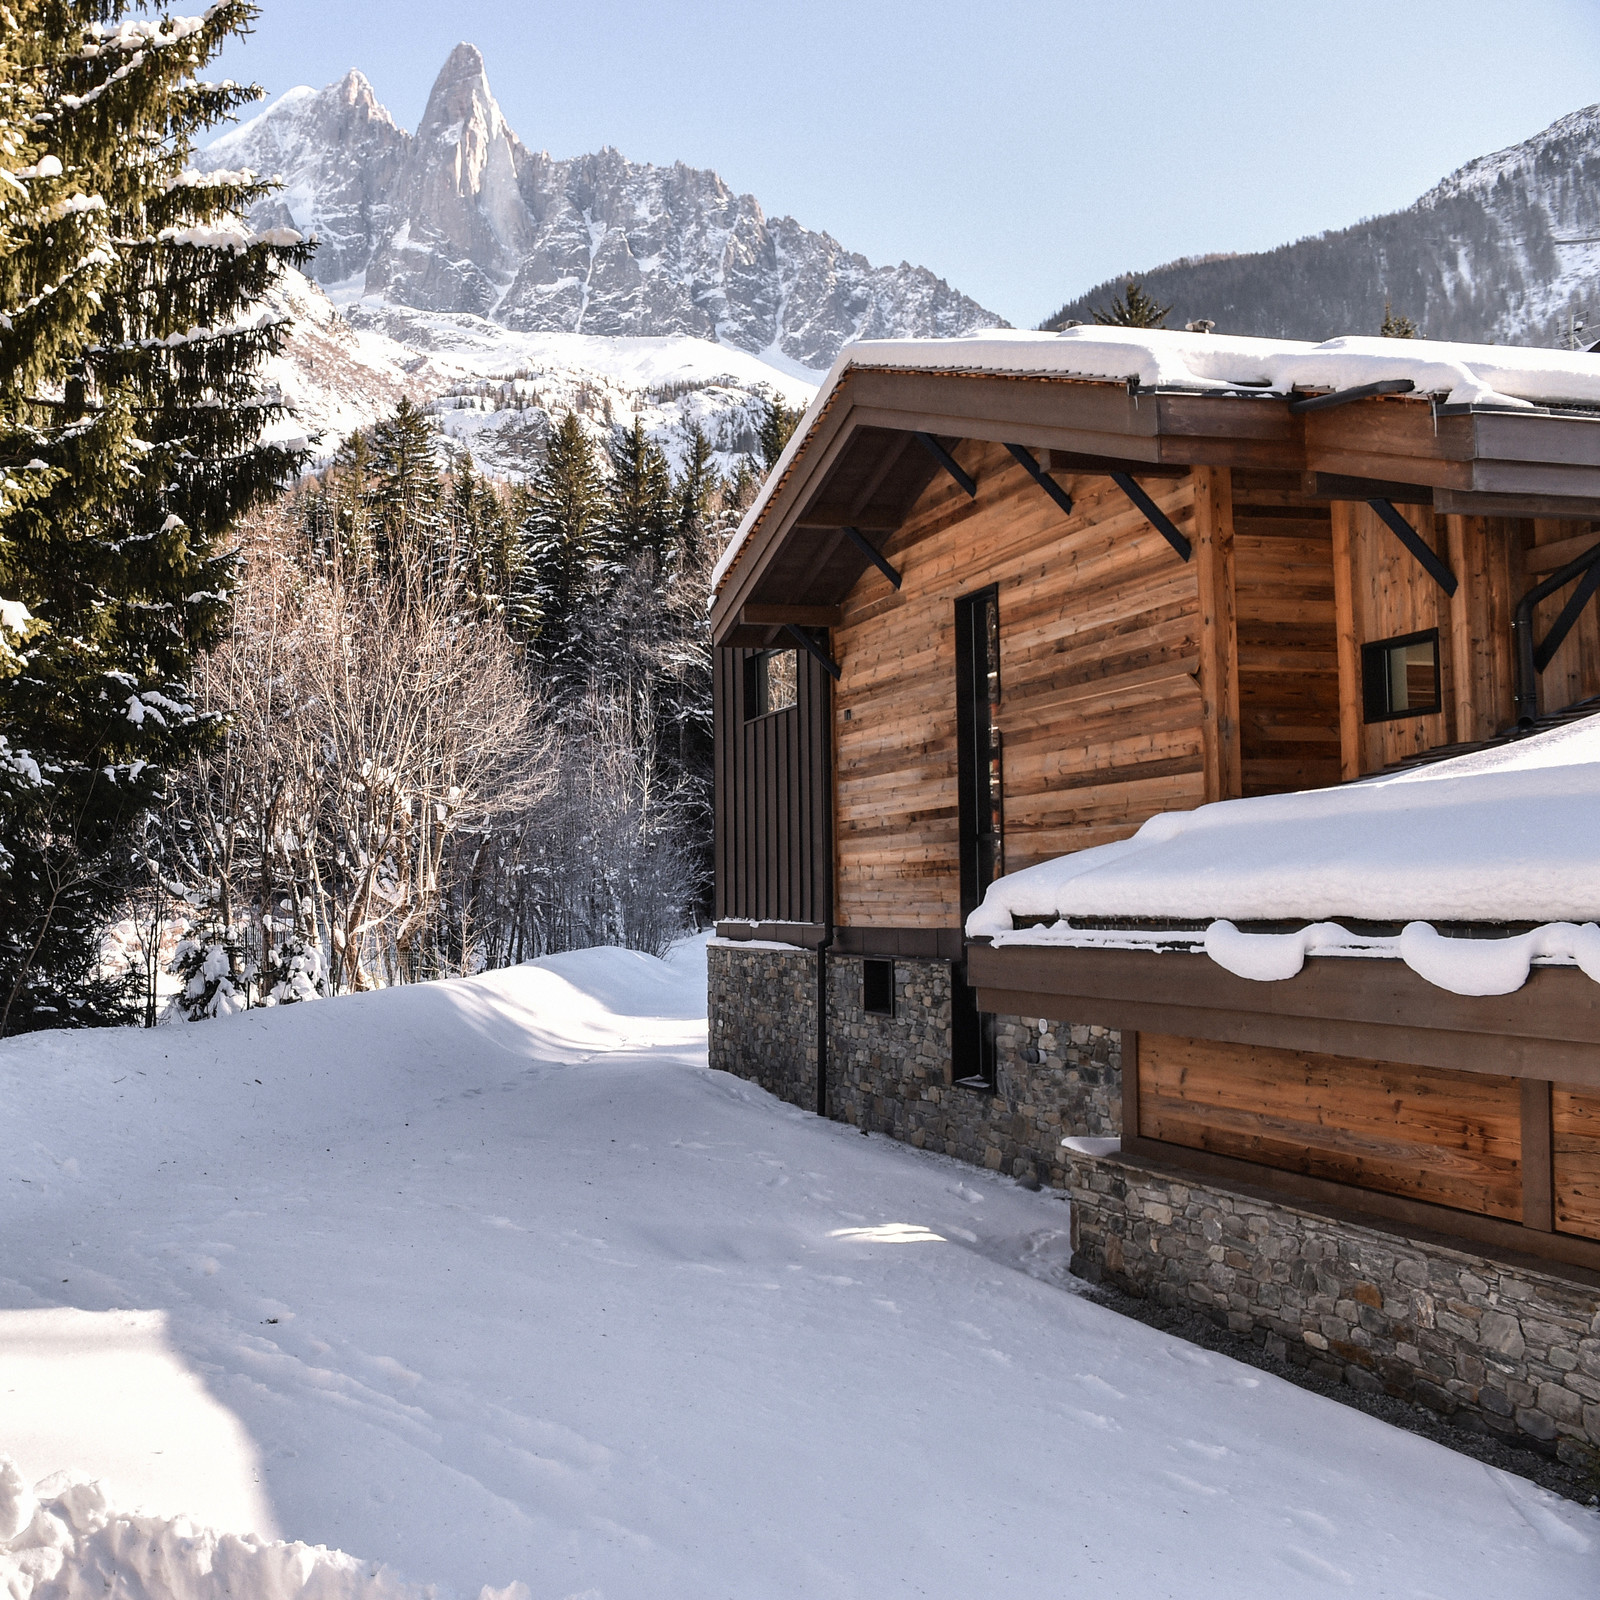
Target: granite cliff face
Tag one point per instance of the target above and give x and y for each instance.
(463, 217)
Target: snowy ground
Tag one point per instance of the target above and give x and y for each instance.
(493, 1281)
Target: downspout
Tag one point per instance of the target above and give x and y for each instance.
(826, 685)
(1525, 655)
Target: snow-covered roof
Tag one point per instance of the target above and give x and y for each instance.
(1510, 834)
(1495, 376)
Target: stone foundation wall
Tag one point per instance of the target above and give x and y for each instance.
(763, 1018)
(1510, 1350)
(893, 1075)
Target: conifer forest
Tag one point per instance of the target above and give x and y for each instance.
(277, 732)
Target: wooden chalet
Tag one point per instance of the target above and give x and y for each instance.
(1007, 598)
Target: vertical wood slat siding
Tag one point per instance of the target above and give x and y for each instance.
(770, 775)
(1100, 712)
(1575, 1146)
(1451, 1138)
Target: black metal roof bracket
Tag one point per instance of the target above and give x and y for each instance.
(1532, 659)
(1154, 515)
(1417, 545)
(948, 462)
(1343, 397)
(810, 645)
(866, 547)
(1042, 478)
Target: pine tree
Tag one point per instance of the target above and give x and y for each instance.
(1134, 309)
(484, 530)
(698, 489)
(405, 490)
(561, 537)
(777, 423)
(1396, 327)
(639, 519)
(130, 440)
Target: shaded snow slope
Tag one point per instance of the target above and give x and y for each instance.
(494, 392)
(498, 1282)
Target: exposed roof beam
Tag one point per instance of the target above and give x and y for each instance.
(757, 616)
(1416, 544)
(1336, 486)
(812, 648)
(1042, 478)
(948, 462)
(1157, 518)
(865, 546)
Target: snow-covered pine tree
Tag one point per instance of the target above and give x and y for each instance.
(131, 437)
(561, 537)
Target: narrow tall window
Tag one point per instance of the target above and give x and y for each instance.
(977, 708)
(980, 815)
(771, 682)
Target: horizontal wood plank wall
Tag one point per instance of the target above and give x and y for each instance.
(1574, 670)
(1451, 1138)
(1100, 711)
(1288, 661)
(770, 799)
(1575, 1142)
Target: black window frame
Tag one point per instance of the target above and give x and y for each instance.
(980, 773)
(877, 986)
(1375, 677)
(756, 681)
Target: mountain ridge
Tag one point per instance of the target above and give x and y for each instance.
(462, 216)
(1505, 249)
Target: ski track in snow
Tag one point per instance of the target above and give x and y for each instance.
(493, 1280)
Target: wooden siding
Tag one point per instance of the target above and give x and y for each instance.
(1574, 671)
(771, 777)
(1450, 1138)
(1288, 656)
(1100, 713)
(1485, 553)
(1575, 1144)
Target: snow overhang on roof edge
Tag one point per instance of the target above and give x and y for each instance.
(1499, 836)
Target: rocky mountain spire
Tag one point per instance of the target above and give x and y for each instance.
(462, 217)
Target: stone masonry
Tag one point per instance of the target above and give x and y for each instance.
(763, 1018)
(893, 1075)
(1506, 1349)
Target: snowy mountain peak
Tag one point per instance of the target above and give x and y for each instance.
(463, 217)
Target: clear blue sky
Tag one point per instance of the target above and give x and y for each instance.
(1022, 150)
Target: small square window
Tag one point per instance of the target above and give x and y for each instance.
(877, 988)
(1400, 677)
(771, 682)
